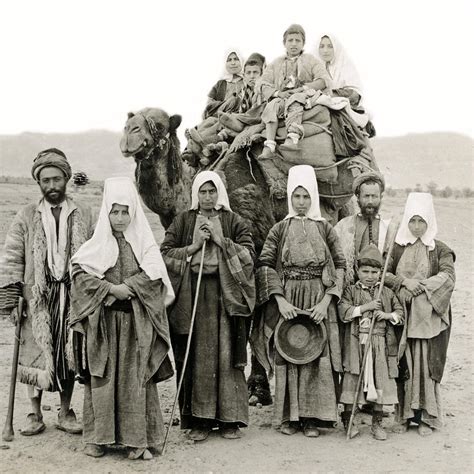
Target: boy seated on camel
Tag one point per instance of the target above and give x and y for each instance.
(286, 85)
(249, 111)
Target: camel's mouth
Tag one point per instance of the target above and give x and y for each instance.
(128, 153)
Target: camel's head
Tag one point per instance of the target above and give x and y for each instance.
(148, 130)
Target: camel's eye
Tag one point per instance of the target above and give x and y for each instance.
(135, 129)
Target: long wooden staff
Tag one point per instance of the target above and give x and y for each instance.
(8, 434)
(188, 346)
(369, 341)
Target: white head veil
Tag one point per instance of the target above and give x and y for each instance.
(341, 68)
(204, 177)
(100, 252)
(418, 204)
(225, 75)
(304, 176)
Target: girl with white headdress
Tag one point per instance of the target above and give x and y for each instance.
(224, 95)
(421, 271)
(214, 392)
(120, 288)
(345, 78)
(301, 267)
(343, 73)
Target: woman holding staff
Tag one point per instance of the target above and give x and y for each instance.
(214, 392)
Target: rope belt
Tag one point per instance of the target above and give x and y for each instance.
(302, 273)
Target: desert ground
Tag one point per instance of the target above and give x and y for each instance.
(263, 449)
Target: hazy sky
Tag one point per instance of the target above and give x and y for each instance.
(72, 66)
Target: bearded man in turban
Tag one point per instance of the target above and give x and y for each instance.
(367, 226)
(35, 258)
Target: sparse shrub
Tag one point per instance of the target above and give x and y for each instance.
(446, 192)
(80, 178)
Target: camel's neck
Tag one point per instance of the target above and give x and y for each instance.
(158, 194)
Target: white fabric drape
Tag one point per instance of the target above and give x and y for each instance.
(304, 176)
(204, 177)
(100, 253)
(418, 204)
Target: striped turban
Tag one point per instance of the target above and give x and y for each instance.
(51, 157)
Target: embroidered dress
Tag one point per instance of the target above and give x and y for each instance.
(302, 261)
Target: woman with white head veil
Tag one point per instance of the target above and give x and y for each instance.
(345, 78)
(120, 288)
(421, 271)
(301, 267)
(223, 97)
(214, 392)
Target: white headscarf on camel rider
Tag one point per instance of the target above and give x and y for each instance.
(418, 204)
(305, 177)
(100, 253)
(341, 68)
(226, 75)
(204, 177)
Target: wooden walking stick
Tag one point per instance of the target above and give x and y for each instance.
(188, 346)
(8, 434)
(369, 342)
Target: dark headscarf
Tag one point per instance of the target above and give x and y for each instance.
(51, 157)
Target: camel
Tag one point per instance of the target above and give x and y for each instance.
(164, 183)
(164, 179)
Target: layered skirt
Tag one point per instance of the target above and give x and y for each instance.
(118, 409)
(307, 390)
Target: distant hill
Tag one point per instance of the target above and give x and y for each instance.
(96, 152)
(445, 158)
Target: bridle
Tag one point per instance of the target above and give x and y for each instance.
(159, 142)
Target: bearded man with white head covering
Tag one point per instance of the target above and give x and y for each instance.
(119, 292)
(367, 226)
(421, 272)
(214, 391)
(36, 257)
(301, 267)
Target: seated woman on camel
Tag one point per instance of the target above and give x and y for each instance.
(345, 78)
(286, 84)
(223, 97)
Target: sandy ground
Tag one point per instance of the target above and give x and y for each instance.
(263, 449)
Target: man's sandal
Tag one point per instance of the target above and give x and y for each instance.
(34, 425)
